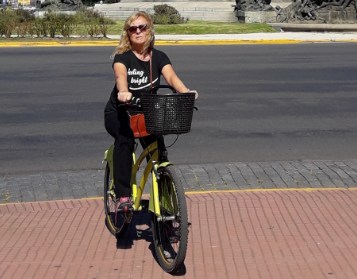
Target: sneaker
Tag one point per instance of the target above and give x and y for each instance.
(124, 204)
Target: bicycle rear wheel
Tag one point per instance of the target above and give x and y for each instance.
(117, 223)
(170, 230)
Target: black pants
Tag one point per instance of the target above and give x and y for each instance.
(117, 125)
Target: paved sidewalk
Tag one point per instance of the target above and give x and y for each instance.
(277, 234)
(277, 220)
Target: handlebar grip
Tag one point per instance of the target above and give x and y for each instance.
(135, 101)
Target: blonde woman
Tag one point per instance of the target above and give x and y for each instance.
(137, 68)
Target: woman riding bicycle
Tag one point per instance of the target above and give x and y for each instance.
(137, 69)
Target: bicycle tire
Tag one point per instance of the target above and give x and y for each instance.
(170, 237)
(117, 223)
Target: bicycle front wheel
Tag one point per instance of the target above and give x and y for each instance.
(170, 230)
(116, 222)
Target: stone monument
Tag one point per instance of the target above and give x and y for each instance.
(299, 11)
(60, 5)
(254, 11)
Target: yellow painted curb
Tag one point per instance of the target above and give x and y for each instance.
(226, 42)
(165, 42)
(58, 43)
(246, 42)
(269, 190)
(158, 42)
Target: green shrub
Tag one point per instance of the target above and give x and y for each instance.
(66, 24)
(53, 23)
(161, 19)
(9, 19)
(165, 9)
(24, 21)
(94, 23)
(103, 25)
(165, 14)
(12, 21)
(92, 29)
(22, 28)
(2, 22)
(43, 26)
(31, 29)
(24, 15)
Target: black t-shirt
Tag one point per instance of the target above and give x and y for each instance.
(138, 74)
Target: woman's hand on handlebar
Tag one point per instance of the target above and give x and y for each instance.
(134, 102)
(124, 97)
(193, 91)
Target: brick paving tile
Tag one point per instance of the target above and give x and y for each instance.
(281, 233)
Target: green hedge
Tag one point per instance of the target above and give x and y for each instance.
(85, 22)
(22, 23)
(165, 14)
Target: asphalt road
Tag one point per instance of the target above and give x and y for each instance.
(257, 103)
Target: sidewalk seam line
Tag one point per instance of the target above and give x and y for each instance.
(353, 188)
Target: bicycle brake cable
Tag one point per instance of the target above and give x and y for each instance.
(177, 136)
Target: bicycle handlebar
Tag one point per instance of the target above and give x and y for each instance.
(156, 88)
(135, 102)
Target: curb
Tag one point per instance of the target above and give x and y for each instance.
(58, 43)
(310, 27)
(177, 42)
(200, 192)
(159, 42)
(226, 42)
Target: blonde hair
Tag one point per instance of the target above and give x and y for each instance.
(125, 44)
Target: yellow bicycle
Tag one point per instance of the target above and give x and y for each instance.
(164, 114)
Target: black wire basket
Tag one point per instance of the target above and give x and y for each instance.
(168, 114)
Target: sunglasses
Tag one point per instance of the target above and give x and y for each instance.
(142, 28)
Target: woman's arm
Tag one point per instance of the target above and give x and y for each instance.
(172, 79)
(120, 73)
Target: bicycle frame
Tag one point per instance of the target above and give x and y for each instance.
(151, 167)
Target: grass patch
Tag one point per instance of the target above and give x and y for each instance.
(207, 27)
(202, 27)
(192, 27)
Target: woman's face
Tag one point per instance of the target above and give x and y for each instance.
(138, 31)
